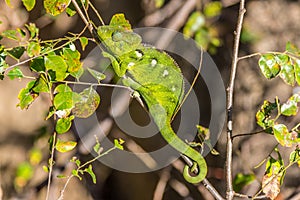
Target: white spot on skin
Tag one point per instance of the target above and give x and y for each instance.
(173, 88)
(153, 62)
(165, 73)
(138, 54)
(130, 64)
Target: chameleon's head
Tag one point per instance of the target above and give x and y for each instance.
(118, 40)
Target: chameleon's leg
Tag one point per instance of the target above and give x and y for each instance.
(117, 68)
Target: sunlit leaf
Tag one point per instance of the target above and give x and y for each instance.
(65, 146)
(42, 85)
(118, 143)
(62, 88)
(58, 65)
(295, 156)
(120, 20)
(72, 58)
(83, 41)
(194, 23)
(241, 180)
(268, 66)
(264, 114)
(88, 103)
(33, 30)
(56, 7)
(35, 156)
(26, 96)
(290, 107)
(297, 71)
(283, 136)
(75, 173)
(78, 73)
(159, 3)
(11, 34)
(33, 49)
(66, 100)
(64, 124)
(29, 4)
(16, 52)
(90, 171)
(15, 73)
(212, 9)
(288, 74)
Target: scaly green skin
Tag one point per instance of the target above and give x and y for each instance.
(159, 81)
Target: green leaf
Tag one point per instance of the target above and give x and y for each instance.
(78, 73)
(241, 180)
(29, 4)
(97, 75)
(38, 65)
(15, 73)
(75, 173)
(118, 143)
(26, 96)
(83, 41)
(288, 74)
(295, 156)
(70, 12)
(291, 48)
(159, 3)
(269, 66)
(264, 114)
(62, 88)
(58, 65)
(24, 173)
(65, 146)
(194, 23)
(8, 3)
(50, 112)
(10, 34)
(72, 58)
(284, 137)
(120, 21)
(66, 100)
(61, 176)
(97, 147)
(41, 85)
(56, 7)
(16, 52)
(33, 30)
(212, 9)
(33, 49)
(88, 103)
(290, 107)
(64, 124)
(90, 171)
(297, 71)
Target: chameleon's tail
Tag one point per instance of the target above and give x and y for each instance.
(170, 136)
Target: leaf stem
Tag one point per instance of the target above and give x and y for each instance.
(229, 189)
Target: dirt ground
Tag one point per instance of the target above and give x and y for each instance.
(272, 23)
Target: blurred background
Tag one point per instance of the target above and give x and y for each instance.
(24, 134)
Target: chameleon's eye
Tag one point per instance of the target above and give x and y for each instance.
(117, 36)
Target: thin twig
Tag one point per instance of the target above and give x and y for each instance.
(229, 189)
(51, 160)
(248, 134)
(211, 189)
(249, 197)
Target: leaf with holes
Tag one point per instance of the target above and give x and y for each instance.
(264, 114)
(65, 146)
(269, 66)
(56, 7)
(88, 103)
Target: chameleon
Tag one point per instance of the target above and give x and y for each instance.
(156, 77)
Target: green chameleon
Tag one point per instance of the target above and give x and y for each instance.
(157, 79)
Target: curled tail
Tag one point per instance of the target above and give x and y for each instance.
(170, 136)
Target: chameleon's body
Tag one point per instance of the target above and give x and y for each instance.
(157, 78)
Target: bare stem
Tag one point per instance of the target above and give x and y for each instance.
(229, 189)
(247, 134)
(51, 160)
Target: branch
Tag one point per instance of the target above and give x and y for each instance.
(248, 134)
(229, 189)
